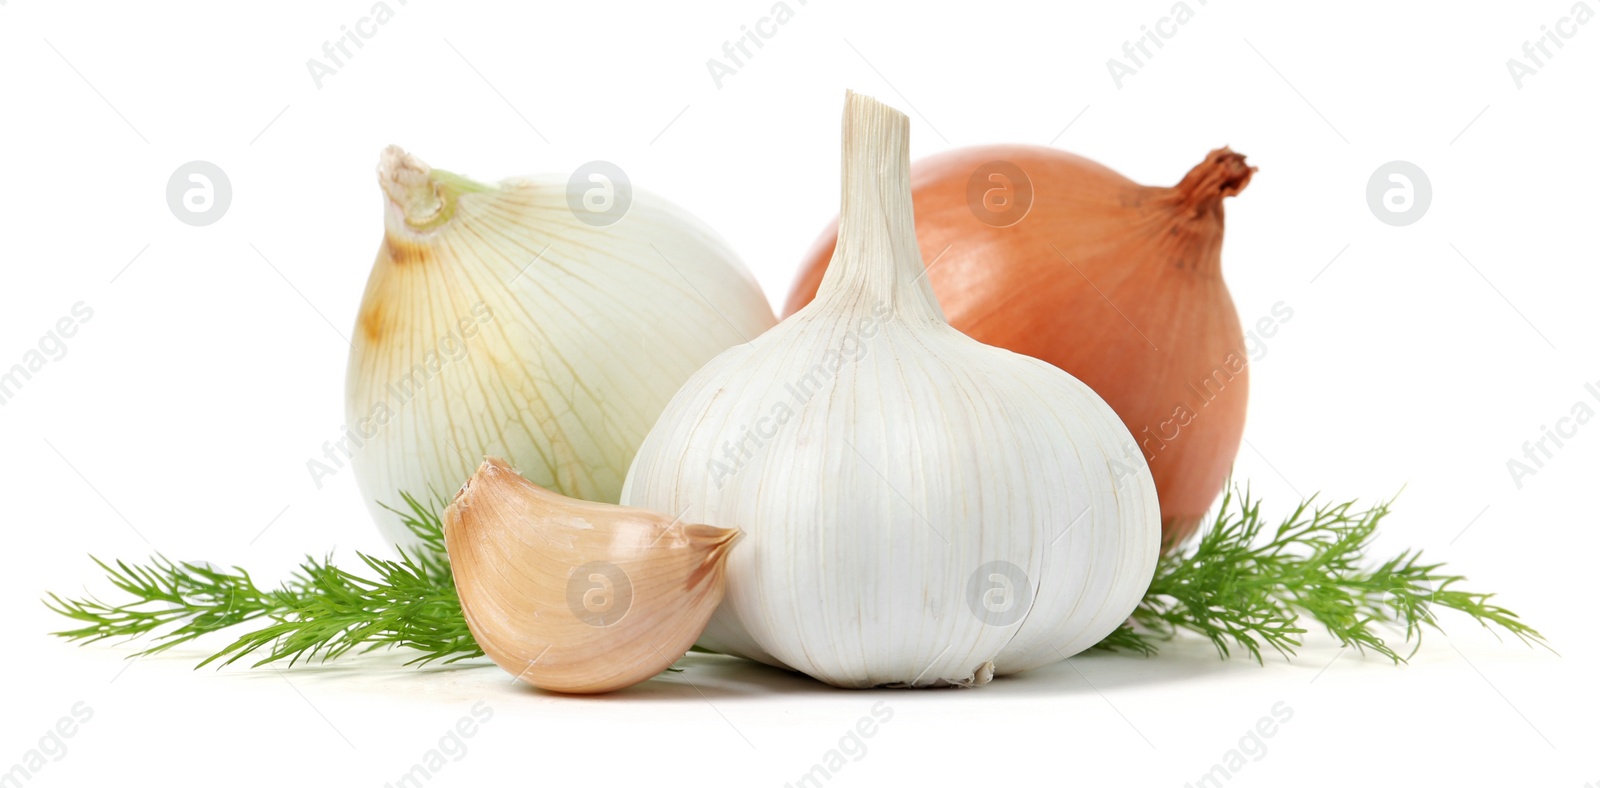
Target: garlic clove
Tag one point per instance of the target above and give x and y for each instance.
(576, 596)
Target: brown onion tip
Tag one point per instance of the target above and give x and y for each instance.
(1223, 174)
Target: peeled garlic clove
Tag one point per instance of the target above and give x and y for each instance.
(576, 596)
(921, 509)
(509, 320)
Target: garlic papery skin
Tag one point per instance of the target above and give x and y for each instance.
(920, 509)
(576, 596)
(497, 322)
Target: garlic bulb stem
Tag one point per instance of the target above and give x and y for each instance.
(876, 220)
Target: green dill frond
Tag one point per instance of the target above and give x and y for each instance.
(321, 612)
(1245, 586)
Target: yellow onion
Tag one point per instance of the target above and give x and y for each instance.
(1054, 256)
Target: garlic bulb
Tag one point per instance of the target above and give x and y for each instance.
(921, 509)
(577, 596)
(507, 320)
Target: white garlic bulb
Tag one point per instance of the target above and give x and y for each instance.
(529, 321)
(920, 509)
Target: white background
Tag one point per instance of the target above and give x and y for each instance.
(183, 414)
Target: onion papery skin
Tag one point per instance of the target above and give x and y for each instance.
(579, 334)
(1117, 283)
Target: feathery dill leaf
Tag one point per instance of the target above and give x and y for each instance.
(1241, 585)
(321, 611)
(1248, 593)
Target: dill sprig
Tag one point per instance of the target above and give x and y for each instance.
(321, 612)
(1232, 586)
(1243, 592)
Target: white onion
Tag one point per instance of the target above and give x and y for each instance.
(509, 321)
